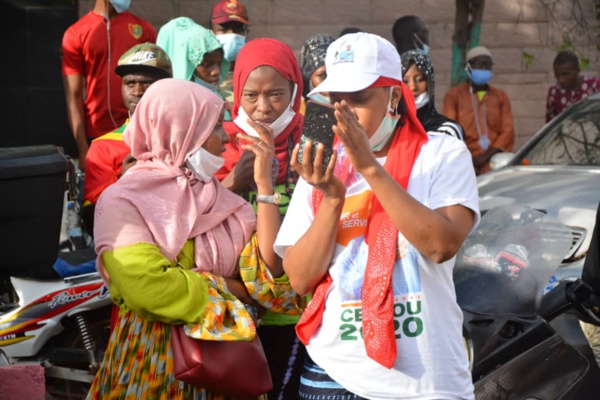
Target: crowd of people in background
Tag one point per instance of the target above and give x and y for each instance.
(189, 142)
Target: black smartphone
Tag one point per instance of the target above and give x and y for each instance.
(319, 119)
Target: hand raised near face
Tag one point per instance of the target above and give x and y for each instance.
(128, 162)
(263, 148)
(312, 171)
(241, 176)
(353, 137)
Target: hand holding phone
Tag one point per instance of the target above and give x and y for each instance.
(318, 121)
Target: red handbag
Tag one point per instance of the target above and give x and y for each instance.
(234, 368)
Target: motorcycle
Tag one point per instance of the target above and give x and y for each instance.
(523, 343)
(54, 308)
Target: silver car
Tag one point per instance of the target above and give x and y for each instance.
(556, 172)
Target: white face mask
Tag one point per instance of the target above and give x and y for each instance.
(232, 44)
(203, 164)
(207, 85)
(277, 126)
(120, 5)
(385, 129)
(422, 100)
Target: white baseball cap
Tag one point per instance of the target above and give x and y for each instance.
(356, 60)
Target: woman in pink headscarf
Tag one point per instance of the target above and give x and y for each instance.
(171, 242)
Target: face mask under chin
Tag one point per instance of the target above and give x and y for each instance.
(204, 164)
(422, 100)
(386, 128)
(278, 126)
(205, 84)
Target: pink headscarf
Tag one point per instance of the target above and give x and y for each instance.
(159, 200)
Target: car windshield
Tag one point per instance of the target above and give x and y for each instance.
(572, 140)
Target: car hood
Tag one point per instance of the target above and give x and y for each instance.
(569, 194)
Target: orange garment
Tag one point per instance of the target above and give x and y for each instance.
(493, 112)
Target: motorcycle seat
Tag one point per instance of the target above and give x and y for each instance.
(77, 262)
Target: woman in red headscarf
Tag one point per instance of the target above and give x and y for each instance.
(267, 85)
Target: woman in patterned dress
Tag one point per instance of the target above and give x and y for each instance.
(178, 248)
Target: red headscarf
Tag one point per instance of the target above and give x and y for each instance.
(254, 54)
(382, 237)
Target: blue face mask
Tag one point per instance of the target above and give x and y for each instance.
(205, 84)
(232, 44)
(320, 98)
(423, 50)
(120, 5)
(480, 76)
(420, 46)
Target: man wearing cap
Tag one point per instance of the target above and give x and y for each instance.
(90, 50)
(482, 110)
(140, 67)
(229, 22)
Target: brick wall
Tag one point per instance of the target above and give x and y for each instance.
(511, 27)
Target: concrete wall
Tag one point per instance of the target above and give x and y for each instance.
(511, 27)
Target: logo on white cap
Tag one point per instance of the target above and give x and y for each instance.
(356, 60)
(345, 56)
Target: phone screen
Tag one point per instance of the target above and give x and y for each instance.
(319, 119)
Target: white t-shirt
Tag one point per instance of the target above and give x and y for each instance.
(431, 362)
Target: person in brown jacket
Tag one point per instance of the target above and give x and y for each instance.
(482, 110)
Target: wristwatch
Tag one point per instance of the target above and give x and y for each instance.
(275, 198)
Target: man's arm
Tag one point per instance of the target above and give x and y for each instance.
(74, 96)
(241, 176)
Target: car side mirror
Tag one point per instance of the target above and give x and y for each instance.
(500, 160)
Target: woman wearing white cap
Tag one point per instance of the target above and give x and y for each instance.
(374, 240)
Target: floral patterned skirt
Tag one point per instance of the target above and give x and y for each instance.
(138, 364)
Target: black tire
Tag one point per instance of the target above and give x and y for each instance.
(98, 322)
